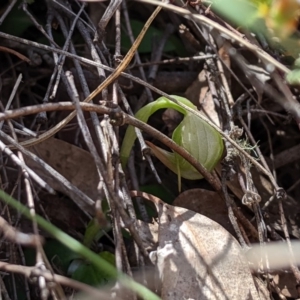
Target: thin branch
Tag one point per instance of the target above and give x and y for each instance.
(117, 113)
(202, 19)
(30, 272)
(17, 237)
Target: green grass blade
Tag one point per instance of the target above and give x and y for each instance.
(77, 247)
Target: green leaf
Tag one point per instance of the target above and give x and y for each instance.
(92, 232)
(86, 272)
(159, 191)
(17, 22)
(241, 12)
(59, 255)
(293, 77)
(173, 43)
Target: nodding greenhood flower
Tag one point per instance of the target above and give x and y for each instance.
(197, 137)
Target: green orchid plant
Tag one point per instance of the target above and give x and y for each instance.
(195, 135)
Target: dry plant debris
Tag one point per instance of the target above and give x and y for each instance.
(72, 75)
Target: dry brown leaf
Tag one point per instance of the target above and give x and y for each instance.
(197, 258)
(287, 285)
(207, 203)
(148, 233)
(200, 95)
(75, 164)
(73, 171)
